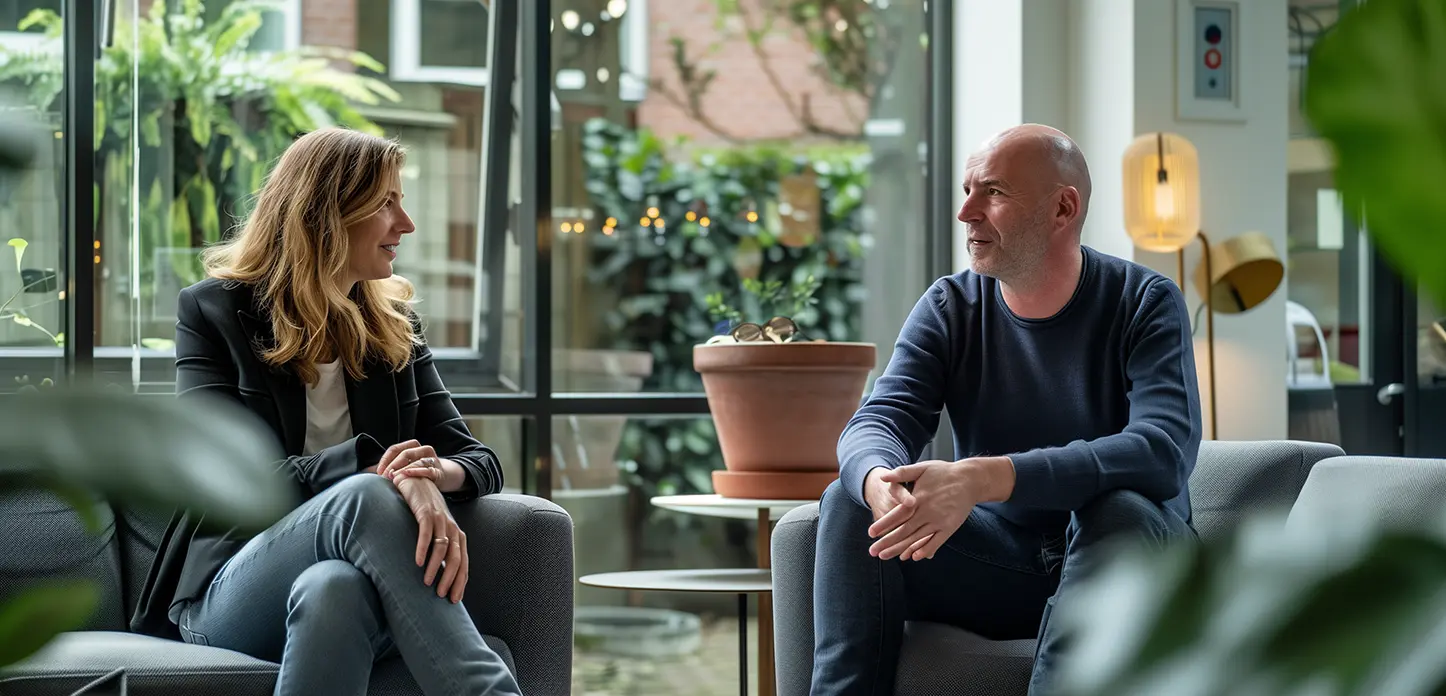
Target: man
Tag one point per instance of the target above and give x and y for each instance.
(1069, 377)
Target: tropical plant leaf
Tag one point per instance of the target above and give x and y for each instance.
(1375, 92)
(40, 613)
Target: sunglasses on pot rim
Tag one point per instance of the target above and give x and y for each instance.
(775, 330)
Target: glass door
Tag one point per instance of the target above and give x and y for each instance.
(1424, 427)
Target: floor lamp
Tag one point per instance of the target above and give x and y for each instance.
(1162, 214)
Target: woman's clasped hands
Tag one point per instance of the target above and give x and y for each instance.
(418, 473)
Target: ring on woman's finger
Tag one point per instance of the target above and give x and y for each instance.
(440, 540)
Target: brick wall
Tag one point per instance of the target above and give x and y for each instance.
(741, 101)
(330, 23)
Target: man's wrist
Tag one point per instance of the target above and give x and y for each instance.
(994, 477)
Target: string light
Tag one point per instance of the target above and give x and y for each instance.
(691, 216)
(704, 221)
(752, 216)
(611, 222)
(566, 227)
(645, 221)
(653, 212)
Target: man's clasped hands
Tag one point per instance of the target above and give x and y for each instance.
(917, 507)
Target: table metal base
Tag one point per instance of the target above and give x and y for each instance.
(743, 644)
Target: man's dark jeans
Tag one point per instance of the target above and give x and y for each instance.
(992, 577)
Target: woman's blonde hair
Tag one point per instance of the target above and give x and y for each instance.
(293, 251)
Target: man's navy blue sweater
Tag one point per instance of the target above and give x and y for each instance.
(1101, 396)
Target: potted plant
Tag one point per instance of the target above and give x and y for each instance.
(779, 398)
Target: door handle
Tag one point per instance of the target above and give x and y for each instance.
(1390, 391)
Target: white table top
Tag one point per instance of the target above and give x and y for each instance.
(726, 580)
(714, 505)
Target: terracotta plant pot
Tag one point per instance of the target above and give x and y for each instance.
(779, 410)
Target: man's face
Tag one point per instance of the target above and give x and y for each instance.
(1008, 219)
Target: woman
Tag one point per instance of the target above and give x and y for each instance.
(302, 322)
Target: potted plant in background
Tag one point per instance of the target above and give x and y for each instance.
(779, 399)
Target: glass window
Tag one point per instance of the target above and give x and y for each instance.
(207, 138)
(32, 278)
(1328, 300)
(608, 470)
(769, 147)
(512, 438)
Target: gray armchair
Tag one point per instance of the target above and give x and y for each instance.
(1230, 479)
(520, 594)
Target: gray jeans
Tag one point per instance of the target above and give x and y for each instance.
(334, 586)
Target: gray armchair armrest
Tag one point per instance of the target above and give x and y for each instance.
(1391, 493)
(520, 590)
(795, 538)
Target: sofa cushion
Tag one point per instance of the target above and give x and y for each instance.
(158, 666)
(941, 659)
(46, 539)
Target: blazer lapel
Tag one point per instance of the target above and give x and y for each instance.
(372, 402)
(286, 388)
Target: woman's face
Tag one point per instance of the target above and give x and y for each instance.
(375, 240)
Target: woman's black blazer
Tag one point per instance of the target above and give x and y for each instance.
(218, 331)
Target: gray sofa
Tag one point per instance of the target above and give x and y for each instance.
(1230, 479)
(520, 592)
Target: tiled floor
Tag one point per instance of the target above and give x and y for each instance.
(711, 671)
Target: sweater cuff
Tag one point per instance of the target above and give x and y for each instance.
(852, 477)
(1039, 479)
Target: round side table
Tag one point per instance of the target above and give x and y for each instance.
(741, 581)
(765, 512)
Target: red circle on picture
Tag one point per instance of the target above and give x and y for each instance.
(1212, 59)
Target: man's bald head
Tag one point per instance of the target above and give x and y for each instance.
(1047, 153)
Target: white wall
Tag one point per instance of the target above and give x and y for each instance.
(1103, 71)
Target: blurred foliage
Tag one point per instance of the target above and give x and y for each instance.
(1376, 93)
(213, 116)
(1344, 609)
(663, 275)
(137, 452)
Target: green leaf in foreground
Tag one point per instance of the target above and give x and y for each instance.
(36, 615)
(160, 452)
(1375, 91)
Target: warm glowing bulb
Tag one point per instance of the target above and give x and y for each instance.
(705, 221)
(752, 216)
(570, 20)
(612, 222)
(566, 227)
(616, 8)
(579, 227)
(645, 222)
(652, 212)
(691, 216)
(608, 231)
(1164, 200)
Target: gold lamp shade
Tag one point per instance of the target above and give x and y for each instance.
(1162, 191)
(1245, 271)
